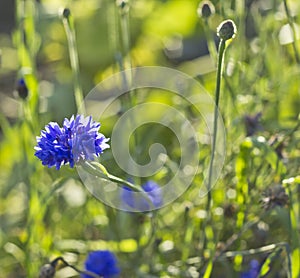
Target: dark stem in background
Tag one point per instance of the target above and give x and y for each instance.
(50, 269)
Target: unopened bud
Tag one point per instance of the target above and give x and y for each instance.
(22, 89)
(205, 9)
(66, 12)
(226, 30)
(123, 5)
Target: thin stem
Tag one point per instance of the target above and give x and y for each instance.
(92, 274)
(291, 23)
(128, 79)
(221, 51)
(70, 32)
(263, 249)
(26, 48)
(126, 34)
(217, 98)
(99, 170)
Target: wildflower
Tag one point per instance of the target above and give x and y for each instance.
(226, 30)
(253, 271)
(252, 124)
(76, 141)
(22, 89)
(205, 9)
(137, 201)
(102, 263)
(274, 197)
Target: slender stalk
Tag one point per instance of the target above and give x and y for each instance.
(215, 128)
(70, 32)
(91, 274)
(260, 250)
(291, 23)
(216, 111)
(99, 170)
(27, 49)
(124, 18)
(225, 31)
(124, 8)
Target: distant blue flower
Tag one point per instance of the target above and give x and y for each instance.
(102, 263)
(77, 140)
(253, 271)
(137, 201)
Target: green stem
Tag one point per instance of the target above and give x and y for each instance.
(263, 249)
(27, 48)
(124, 17)
(221, 51)
(100, 171)
(128, 79)
(70, 32)
(291, 23)
(217, 99)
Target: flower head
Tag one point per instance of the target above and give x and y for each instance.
(66, 12)
(205, 9)
(102, 263)
(139, 202)
(226, 30)
(77, 140)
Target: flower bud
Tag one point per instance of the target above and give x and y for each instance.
(123, 5)
(205, 9)
(22, 89)
(66, 12)
(226, 30)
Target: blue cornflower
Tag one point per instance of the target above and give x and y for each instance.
(102, 263)
(253, 271)
(77, 140)
(137, 201)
